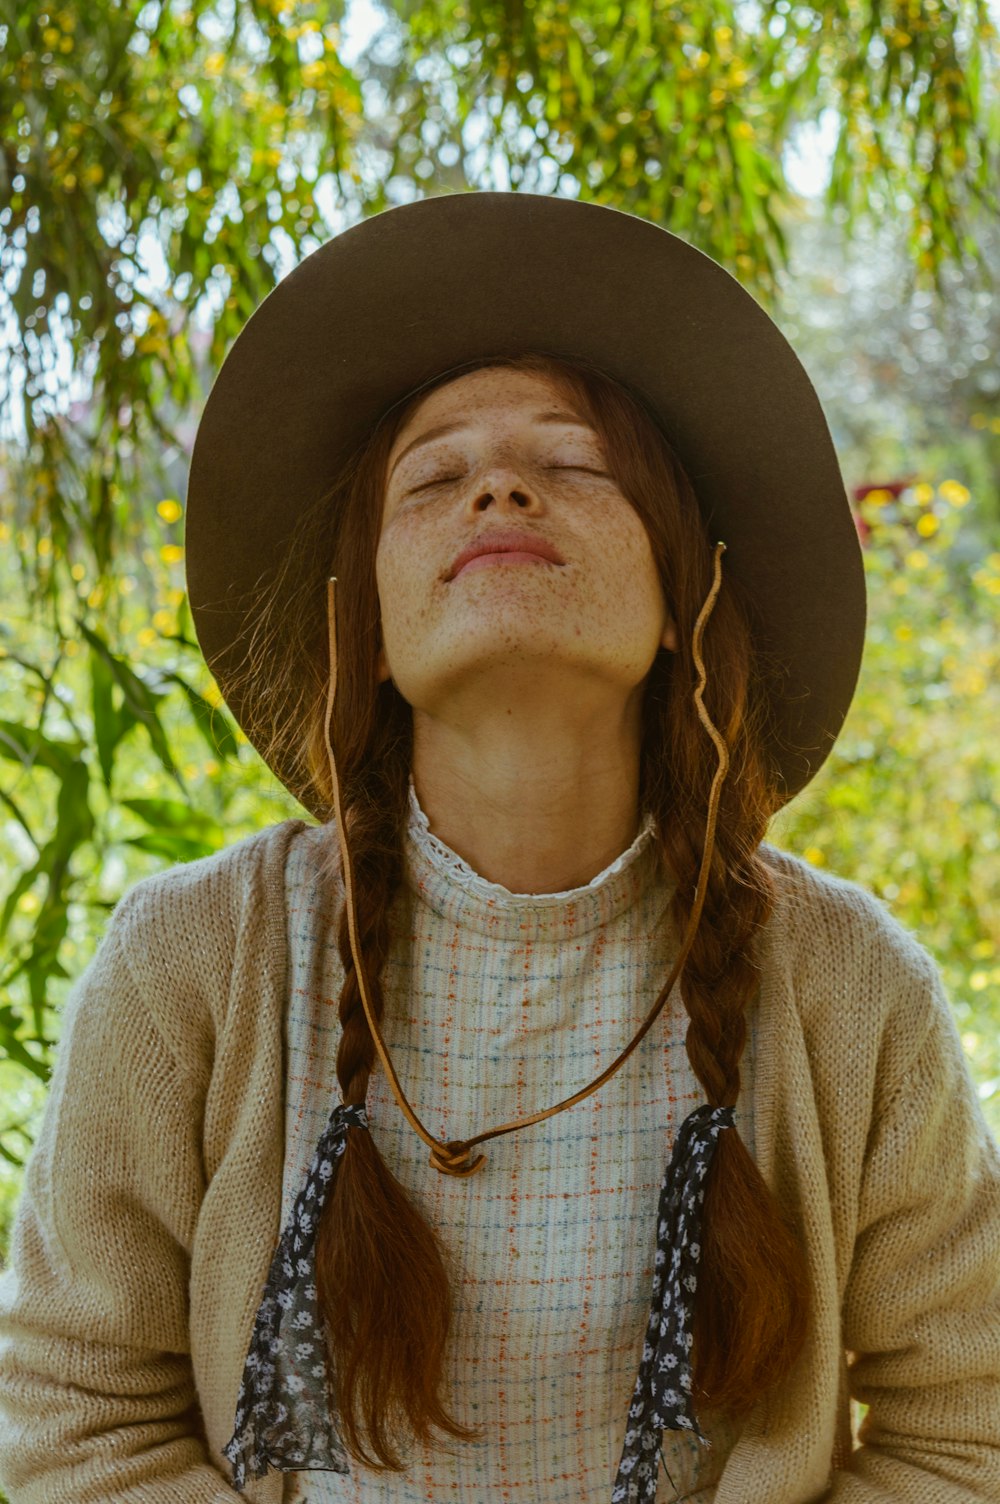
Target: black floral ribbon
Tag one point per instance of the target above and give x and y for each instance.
(286, 1410)
(662, 1395)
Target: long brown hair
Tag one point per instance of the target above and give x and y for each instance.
(382, 1274)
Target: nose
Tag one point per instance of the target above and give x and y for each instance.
(505, 490)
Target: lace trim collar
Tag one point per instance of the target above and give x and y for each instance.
(445, 877)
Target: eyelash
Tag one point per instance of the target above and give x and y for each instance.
(447, 479)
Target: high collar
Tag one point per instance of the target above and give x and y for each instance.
(454, 891)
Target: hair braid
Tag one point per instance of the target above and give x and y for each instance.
(381, 1271)
(377, 873)
(751, 1303)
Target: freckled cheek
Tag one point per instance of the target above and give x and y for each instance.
(407, 584)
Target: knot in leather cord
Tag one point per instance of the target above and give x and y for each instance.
(453, 1159)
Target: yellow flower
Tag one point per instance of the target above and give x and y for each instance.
(45, 547)
(171, 553)
(744, 130)
(917, 559)
(169, 509)
(147, 637)
(973, 683)
(78, 571)
(995, 425)
(927, 525)
(314, 74)
(903, 632)
(978, 981)
(723, 33)
(923, 494)
(210, 767)
(878, 498)
(163, 620)
(51, 37)
(815, 855)
(954, 493)
(214, 64)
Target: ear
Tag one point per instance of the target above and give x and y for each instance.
(670, 639)
(383, 667)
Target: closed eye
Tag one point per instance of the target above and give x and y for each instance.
(444, 480)
(447, 480)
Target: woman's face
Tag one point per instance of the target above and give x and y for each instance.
(517, 456)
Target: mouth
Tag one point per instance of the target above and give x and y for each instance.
(511, 544)
(507, 556)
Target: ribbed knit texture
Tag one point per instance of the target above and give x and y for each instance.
(498, 1005)
(152, 1202)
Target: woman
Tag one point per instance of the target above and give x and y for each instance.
(563, 681)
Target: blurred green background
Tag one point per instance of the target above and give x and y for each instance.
(163, 165)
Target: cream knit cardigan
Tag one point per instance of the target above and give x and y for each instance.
(151, 1204)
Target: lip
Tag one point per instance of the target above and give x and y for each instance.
(505, 541)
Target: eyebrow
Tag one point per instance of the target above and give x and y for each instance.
(443, 428)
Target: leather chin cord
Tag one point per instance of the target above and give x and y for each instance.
(452, 1158)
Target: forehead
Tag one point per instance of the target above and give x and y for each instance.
(496, 389)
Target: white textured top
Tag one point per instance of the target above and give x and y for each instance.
(498, 1005)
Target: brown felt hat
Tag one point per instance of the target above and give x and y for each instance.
(412, 292)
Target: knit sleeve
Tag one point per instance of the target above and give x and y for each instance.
(921, 1311)
(97, 1398)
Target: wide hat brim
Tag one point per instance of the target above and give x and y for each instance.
(387, 305)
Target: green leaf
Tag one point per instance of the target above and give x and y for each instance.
(109, 726)
(169, 816)
(173, 848)
(140, 700)
(216, 727)
(31, 748)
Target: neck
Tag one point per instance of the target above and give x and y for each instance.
(539, 803)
